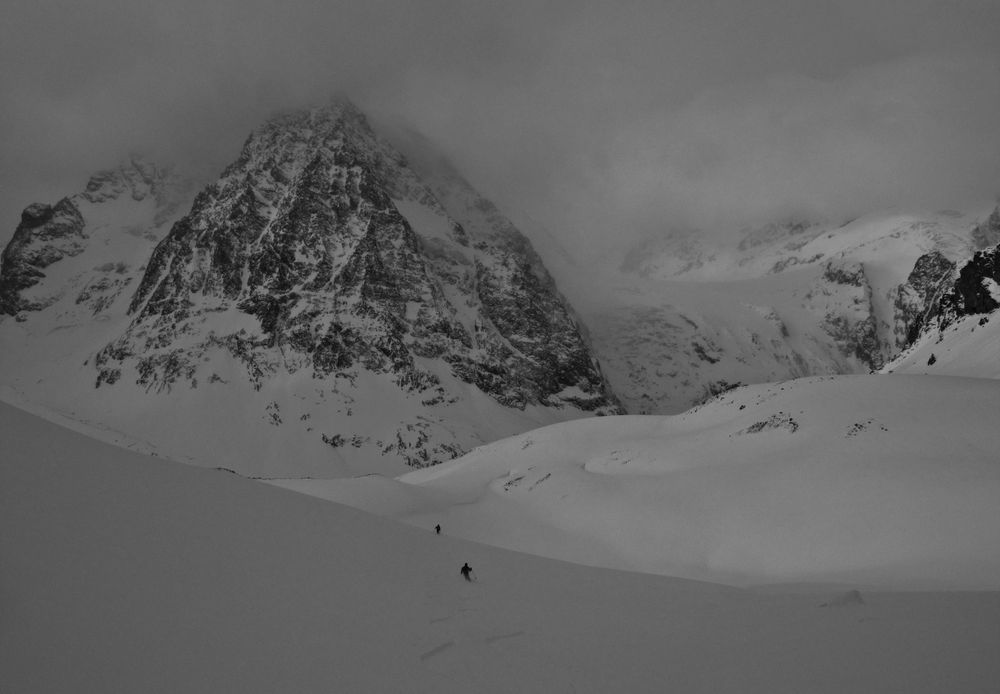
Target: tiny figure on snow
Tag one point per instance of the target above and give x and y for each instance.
(466, 571)
(437, 528)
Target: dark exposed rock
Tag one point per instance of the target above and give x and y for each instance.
(303, 233)
(46, 234)
(50, 233)
(856, 333)
(35, 215)
(916, 298)
(859, 339)
(850, 273)
(781, 420)
(975, 289)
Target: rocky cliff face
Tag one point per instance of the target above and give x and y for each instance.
(956, 333)
(946, 294)
(916, 298)
(852, 322)
(975, 290)
(134, 200)
(46, 234)
(320, 257)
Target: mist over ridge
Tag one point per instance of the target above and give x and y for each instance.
(606, 124)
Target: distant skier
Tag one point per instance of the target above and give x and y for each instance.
(466, 572)
(437, 528)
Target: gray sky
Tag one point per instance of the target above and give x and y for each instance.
(606, 121)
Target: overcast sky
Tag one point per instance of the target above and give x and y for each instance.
(605, 121)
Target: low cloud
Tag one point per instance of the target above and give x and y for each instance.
(607, 122)
(919, 133)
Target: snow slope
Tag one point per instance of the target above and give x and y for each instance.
(968, 347)
(880, 480)
(124, 573)
(686, 314)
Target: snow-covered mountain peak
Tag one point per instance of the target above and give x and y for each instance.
(372, 316)
(59, 250)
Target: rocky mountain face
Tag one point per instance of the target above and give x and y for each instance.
(48, 234)
(852, 324)
(976, 289)
(689, 313)
(916, 298)
(339, 302)
(957, 334)
(947, 292)
(323, 286)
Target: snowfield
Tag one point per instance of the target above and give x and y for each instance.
(889, 481)
(122, 572)
(968, 347)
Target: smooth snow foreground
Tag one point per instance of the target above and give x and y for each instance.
(890, 481)
(124, 573)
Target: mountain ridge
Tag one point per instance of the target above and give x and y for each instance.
(320, 275)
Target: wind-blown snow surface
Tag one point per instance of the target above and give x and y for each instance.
(125, 573)
(882, 480)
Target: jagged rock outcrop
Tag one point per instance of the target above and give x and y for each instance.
(50, 233)
(975, 290)
(850, 273)
(852, 323)
(948, 296)
(45, 235)
(916, 298)
(344, 262)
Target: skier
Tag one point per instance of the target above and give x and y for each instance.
(437, 528)
(466, 571)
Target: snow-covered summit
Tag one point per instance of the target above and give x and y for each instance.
(320, 286)
(111, 225)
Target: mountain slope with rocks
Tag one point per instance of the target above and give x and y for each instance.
(322, 289)
(689, 315)
(126, 209)
(957, 333)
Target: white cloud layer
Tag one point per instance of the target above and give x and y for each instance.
(605, 121)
